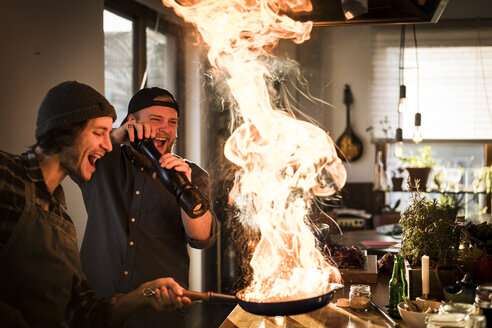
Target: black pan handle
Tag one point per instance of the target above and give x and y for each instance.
(209, 297)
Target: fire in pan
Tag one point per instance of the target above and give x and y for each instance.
(270, 308)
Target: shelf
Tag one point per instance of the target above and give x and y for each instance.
(436, 191)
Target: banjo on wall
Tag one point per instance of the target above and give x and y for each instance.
(349, 145)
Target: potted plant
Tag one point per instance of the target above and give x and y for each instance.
(419, 167)
(484, 181)
(397, 178)
(429, 228)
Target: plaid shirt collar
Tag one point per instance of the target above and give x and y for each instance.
(35, 174)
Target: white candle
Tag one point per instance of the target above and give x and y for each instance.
(425, 275)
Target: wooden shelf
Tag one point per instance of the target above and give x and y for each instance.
(436, 191)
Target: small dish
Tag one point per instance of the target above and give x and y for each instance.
(417, 319)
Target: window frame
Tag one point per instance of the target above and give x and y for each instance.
(142, 18)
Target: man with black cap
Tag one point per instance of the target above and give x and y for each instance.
(41, 279)
(136, 230)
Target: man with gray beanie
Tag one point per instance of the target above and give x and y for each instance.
(41, 279)
(148, 231)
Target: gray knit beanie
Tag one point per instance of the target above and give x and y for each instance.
(71, 102)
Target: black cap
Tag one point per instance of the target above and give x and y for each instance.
(146, 98)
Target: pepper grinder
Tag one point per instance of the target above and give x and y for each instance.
(188, 196)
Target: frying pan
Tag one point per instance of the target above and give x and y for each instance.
(281, 308)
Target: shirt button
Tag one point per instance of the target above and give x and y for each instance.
(131, 243)
(132, 219)
(137, 192)
(125, 273)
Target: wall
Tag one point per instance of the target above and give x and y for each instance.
(45, 43)
(349, 63)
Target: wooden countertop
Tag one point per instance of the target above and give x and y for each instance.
(328, 316)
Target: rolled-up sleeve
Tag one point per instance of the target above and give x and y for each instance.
(203, 244)
(200, 179)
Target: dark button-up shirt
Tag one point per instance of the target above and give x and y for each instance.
(134, 230)
(41, 275)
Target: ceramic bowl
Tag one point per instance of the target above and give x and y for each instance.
(417, 319)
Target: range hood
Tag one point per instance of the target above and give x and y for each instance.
(330, 12)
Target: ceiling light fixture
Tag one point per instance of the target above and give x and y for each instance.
(417, 131)
(402, 103)
(399, 143)
(399, 132)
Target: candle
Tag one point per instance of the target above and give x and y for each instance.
(425, 276)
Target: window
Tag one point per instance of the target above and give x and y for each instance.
(458, 171)
(161, 60)
(451, 86)
(141, 50)
(118, 62)
(455, 82)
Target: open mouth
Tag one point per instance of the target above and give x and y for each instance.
(159, 142)
(93, 158)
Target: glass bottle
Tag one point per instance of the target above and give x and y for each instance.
(377, 172)
(397, 287)
(464, 248)
(380, 179)
(382, 172)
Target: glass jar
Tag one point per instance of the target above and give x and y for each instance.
(457, 308)
(483, 300)
(448, 320)
(469, 310)
(360, 297)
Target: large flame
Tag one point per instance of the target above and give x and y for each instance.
(284, 161)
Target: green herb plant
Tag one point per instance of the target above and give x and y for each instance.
(429, 228)
(486, 179)
(424, 159)
(453, 200)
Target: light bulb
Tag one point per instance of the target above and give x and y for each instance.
(417, 135)
(402, 103)
(399, 149)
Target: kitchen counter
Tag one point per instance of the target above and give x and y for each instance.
(380, 243)
(328, 316)
(331, 315)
